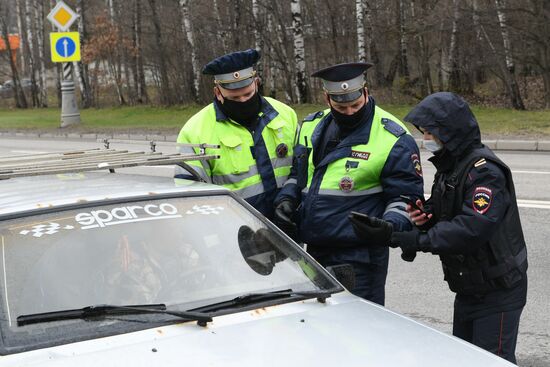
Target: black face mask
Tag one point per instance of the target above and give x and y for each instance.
(245, 113)
(349, 122)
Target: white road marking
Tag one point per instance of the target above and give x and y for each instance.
(535, 204)
(29, 151)
(533, 172)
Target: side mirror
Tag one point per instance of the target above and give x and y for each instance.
(344, 274)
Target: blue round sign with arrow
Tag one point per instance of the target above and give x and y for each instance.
(65, 47)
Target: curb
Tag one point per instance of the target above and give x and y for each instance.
(515, 145)
(501, 145)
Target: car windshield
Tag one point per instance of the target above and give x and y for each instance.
(182, 252)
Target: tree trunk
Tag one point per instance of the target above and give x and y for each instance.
(258, 40)
(480, 76)
(403, 62)
(500, 5)
(426, 86)
(302, 91)
(188, 31)
(18, 95)
(81, 69)
(372, 51)
(237, 23)
(30, 51)
(139, 73)
(360, 30)
(509, 79)
(19, 4)
(165, 95)
(38, 6)
(270, 77)
(221, 33)
(454, 73)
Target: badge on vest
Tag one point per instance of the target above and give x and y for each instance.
(416, 164)
(482, 199)
(281, 150)
(360, 155)
(346, 184)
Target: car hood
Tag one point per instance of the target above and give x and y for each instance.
(345, 331)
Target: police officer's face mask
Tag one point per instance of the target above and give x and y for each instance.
(243, 112)
(349, 122)
(432, 145)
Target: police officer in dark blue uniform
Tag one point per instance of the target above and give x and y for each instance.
(472, 222)
(353, 156)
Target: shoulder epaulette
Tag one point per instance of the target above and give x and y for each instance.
(393, 127)
(314, 116)
(480, 165)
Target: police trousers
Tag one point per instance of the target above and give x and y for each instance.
(370, 268)
(496, 332)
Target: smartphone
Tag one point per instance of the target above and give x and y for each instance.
(411, 202)
(360, 215)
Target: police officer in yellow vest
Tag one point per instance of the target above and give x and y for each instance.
(256, 134)
(351, 157)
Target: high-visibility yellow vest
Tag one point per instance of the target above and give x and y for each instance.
(253, 165)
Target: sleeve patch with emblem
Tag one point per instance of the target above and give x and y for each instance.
(481, 201)
(416, 164)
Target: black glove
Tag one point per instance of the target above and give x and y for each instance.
(408, 241)
(284, 211)
(408, 256)
(373, 230)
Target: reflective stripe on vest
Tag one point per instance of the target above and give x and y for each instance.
(245, 159)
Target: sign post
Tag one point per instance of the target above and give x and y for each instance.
(65, 48)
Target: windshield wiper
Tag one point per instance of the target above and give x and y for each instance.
(251, 298)
(109, 310)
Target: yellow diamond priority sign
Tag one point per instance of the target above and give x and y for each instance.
(62, 16)
(65, 46)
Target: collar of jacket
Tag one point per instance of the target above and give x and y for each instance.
(359, 136)
(343, 149)
(266, 110)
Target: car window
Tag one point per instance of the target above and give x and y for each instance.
(183, 252)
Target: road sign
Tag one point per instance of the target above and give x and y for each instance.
(62, 16)
(65, 46)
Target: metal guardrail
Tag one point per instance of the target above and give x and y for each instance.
(93, 160)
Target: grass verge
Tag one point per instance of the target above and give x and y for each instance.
(493, 121)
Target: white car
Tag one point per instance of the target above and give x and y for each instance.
(109, 269)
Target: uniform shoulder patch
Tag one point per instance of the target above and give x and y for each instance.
(415, 159)
(393, 127)
(314, 116)
(482, 199)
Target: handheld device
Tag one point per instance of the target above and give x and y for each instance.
(411, 202)
(359, 215)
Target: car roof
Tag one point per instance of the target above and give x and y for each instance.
(26, 194)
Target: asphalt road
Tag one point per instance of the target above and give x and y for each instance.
(417, 289)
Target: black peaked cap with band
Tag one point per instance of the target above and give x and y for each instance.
(344, 82)
(234, 70)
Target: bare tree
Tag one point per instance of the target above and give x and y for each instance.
(302, 90)
(39, 20)
(165, 95)
(137, 42)
(359, 13)
(18, 95)
(403, 62)
(188, 31)
(80, 68)
(454, 73)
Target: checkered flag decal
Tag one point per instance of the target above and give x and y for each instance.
(40, 230)
(205, 210)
